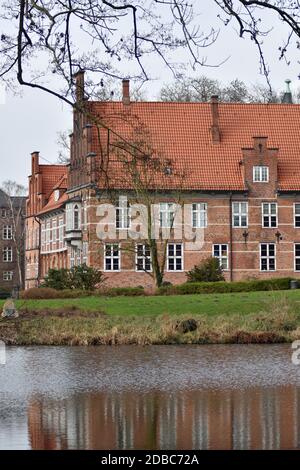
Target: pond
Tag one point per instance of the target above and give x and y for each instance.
(154, 397)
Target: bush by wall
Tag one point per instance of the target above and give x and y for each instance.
(207, 271)
(223, 287)
(79, 277)
(50, 293)
(121, 291)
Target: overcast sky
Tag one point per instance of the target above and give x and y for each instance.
(32, 121)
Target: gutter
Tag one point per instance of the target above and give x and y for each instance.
(231, 237)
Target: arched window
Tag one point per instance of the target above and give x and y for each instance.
(76, 218)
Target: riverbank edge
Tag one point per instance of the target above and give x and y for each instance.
(91, 328)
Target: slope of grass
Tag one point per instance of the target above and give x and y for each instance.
(208, 304)
(256, 317)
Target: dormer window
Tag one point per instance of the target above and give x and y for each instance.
(56, 195)
(260, 174)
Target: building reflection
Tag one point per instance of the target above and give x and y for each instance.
(206, 419)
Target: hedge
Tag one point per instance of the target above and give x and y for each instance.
(221, 287)
(50, 293)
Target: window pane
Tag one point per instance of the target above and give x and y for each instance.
(263, 250)
(266, 209)
(224, 250)
(171, 264)
(178, 264)
(273, 221)
(271, 250)
(297, 209)
(236, 221)
(272, 264)
(171, 250)
(244, 221)
(264, 264)
(297, 265)
(297, 221)
(216, 250)
(297, 250)
(178, 250)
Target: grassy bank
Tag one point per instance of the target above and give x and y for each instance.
(257, 317)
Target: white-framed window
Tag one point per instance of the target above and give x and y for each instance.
(123, 213)
(175, 256)
(297, 215)
(7, 232)
(61, 229)
(8, 275)
(85, 246)
(240, 214)
(76, 217)
(54, 230)
(73, 256)
(7, 254)
(220, 251)
(269, 214)
(199, 215)
(112, 258)
(73, 216)
(267, 257)
(166, 214)
(260, 174)
(143, 257)
(3, 213)
(297, 256)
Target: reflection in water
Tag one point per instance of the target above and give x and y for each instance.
(202, 397)
(223, 419)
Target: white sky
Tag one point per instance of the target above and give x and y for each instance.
(32, 121)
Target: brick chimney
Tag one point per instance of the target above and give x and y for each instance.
(126, 93)
(215, 130)
(35, 156)
(79, 83)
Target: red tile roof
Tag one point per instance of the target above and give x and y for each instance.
(51, 175)
(59, 174)
(181, 132)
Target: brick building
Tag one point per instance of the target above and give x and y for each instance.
(12, 248)
(45, 220)
(235, 165)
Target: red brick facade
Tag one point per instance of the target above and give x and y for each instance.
(243, 182)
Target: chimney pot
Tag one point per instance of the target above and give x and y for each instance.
(126, 93)
(287, 96)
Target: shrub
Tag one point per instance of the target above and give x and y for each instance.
(58, 279)
(221, 287)
(79, 277)
(39, 293)
(121, 291)
(49, 293)
(85, 277)
(5, 294)
(207, 271)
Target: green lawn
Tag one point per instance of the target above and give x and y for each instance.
(254, 317)
(208, 304)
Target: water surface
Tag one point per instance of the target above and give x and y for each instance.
(154, 397)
